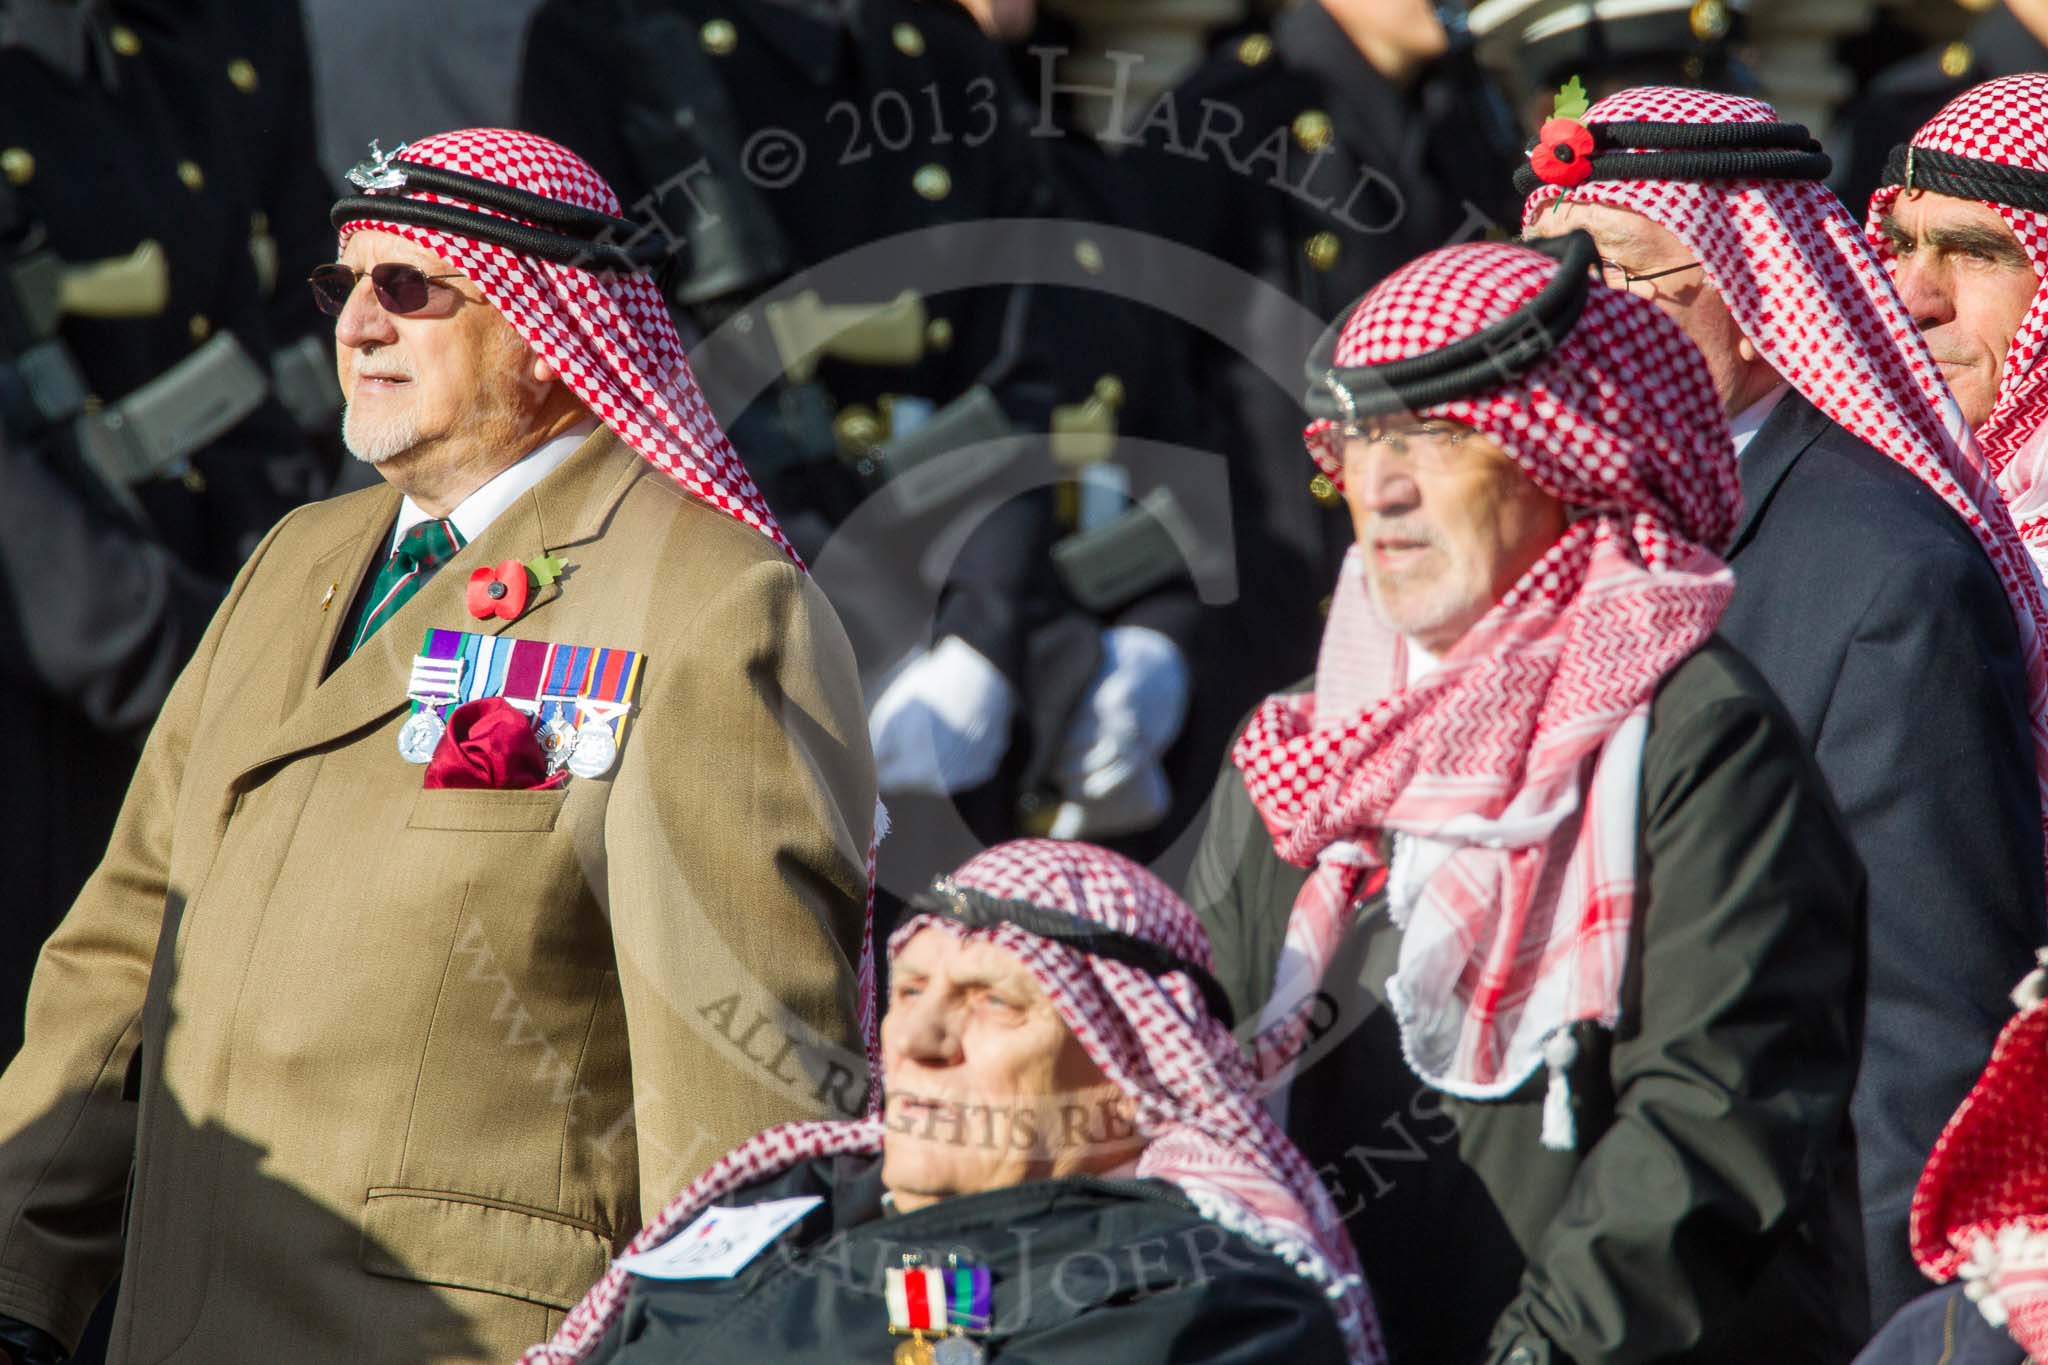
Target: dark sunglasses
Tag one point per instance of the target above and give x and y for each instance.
(401, 289)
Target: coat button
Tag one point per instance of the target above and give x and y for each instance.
(1254, 49)
(1312, 129)
(719, 37)
(938, 334)
(200, 326)
(194, 179)
(1088, 256)
(1322, 250)
(934, 182)
(242, 75)
(1956, 60)
(1708, 20)
(18, 164)
(123, 40)
(1324, 490)
(907, 39)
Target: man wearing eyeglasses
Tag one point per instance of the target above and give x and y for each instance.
(500, 859)
(1882, 589)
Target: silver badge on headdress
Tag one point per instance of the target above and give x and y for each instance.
(377, 172)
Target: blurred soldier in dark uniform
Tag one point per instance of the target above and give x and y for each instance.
(144, 454)
(2011, 38)
(890, 408)
(1318, 157)
(1610, 45)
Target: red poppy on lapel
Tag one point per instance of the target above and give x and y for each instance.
(500, 590)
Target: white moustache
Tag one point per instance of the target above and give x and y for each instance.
(379, 367)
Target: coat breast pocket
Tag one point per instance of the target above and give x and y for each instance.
(483, 811)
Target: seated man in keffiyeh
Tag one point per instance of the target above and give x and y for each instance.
(1550, 928)
(1962, 221)
(1067, 1116)
(1881, 587)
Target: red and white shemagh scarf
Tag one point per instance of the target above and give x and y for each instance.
(1508, 776)
(611, 339)
(1805, 286)
(2006, 121)
(1981, 1208)
(1153, 1037)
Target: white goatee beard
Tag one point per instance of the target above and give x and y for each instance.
(375, 442)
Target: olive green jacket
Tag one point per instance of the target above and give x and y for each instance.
(1709, 1211)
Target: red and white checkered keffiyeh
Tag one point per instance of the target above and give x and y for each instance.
(1153, 1037)
(1981, 1208)
(2006, 121)
(611, 339)
(1807, 289)
(1508, 776)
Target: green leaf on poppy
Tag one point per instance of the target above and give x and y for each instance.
(1571, 101)
(546, 569)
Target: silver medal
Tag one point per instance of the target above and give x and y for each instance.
(557, 737)
(956, 1351)
(594, 750)
(421, 735)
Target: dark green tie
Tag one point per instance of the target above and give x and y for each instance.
(420, 551)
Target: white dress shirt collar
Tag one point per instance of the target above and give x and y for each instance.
(476, 512)
(1744, 425)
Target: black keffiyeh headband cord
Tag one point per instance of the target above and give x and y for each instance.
(567, 234)
(974, 909)
(1966, 177)
(1497, 355)
(1695, 151)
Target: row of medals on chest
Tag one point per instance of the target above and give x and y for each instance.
(588, 750)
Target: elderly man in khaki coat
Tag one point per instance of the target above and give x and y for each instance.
(368, 1059)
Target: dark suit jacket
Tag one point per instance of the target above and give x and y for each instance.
(1876, 617)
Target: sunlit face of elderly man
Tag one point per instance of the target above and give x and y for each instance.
(987, 1086)
(442, 395)
(1446, 521)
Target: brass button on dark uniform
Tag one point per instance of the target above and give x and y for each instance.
(1313, 130)
(18, 164)
(242, 75)
(1322, 250)
(200, 326)
(1089, 257)
(933, 181)
(123, 40)
(1254, 49)
(938, 334)
(1709, 20)
(193, 178)
(719, 37)
(1956, 60)
(907, 39)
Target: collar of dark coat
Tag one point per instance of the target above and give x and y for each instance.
(565, 509)
(1785, 435)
